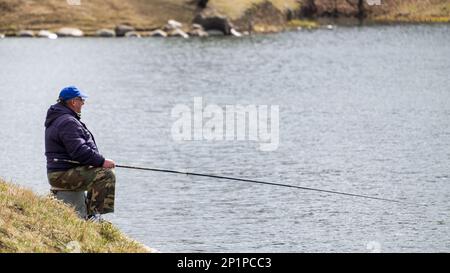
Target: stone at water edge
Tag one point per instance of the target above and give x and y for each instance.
(25, 33)
(214, 23)
(178, 33)
(105, 33)
(47, 34)
(198, 33)
(69, 32)
(132, 34)
(121, 30)
(158, 33)
(174, 24)
(235, 33)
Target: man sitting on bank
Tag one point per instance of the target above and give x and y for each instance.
(73, 160)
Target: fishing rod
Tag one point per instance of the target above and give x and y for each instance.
(243, 180)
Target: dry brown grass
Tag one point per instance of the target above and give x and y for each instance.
(236, 8)
(90, 15)
(29, 223)
(414, 11)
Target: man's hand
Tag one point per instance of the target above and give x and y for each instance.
(109, 164)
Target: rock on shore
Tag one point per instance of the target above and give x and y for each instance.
(69, 32)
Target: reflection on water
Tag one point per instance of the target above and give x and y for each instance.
(362, 110)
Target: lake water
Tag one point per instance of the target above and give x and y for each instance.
(362, 110)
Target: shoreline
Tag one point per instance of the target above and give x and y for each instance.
(261, 30)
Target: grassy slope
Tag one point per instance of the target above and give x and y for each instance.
(29, 223)
(90, 15)
(414, 11)
(236, 8)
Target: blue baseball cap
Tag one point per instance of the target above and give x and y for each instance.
(71, 92)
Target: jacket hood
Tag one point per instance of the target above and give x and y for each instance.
(57, 110)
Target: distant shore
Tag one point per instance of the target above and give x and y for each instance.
(231, 17)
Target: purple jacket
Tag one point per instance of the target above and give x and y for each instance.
(66, 137)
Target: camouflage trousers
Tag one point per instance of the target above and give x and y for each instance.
(98, 182)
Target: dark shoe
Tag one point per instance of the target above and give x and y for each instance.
(96, 218)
